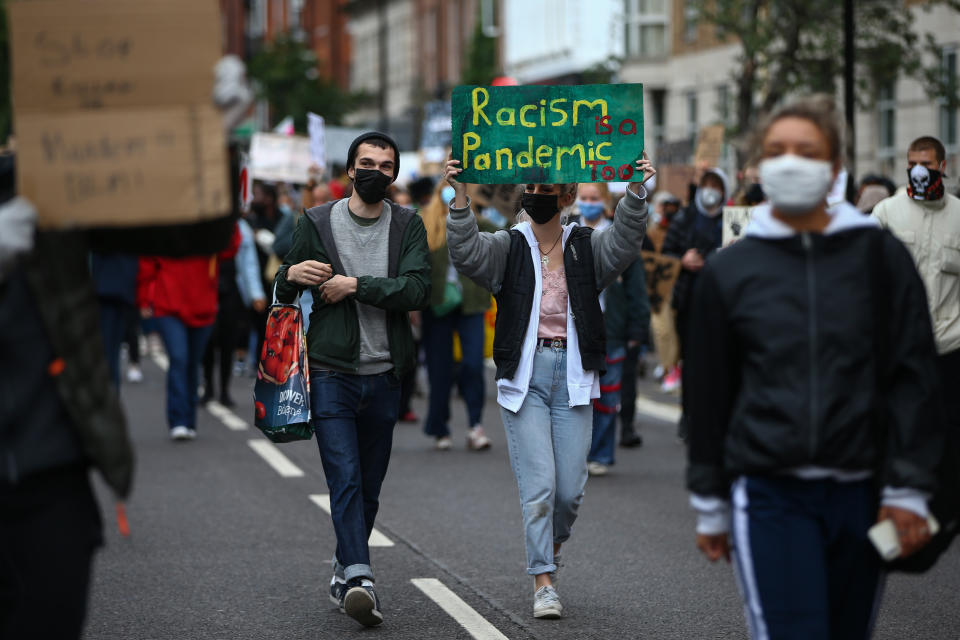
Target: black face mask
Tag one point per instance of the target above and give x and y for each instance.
(754, 194)
(371, 185)
(540, 207)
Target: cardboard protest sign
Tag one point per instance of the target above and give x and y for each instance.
(113, 113)
(676, 179)
(662, 272)
(548, 134)
(735, 220)
(709, 145)
(280, 158)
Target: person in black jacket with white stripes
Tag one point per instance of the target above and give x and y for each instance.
(811, 391)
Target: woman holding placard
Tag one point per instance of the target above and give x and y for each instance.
(549, 346)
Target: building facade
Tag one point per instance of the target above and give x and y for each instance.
(688, 76)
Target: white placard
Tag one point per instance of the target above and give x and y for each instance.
(735, 220)
(318, 140)
(279, 158)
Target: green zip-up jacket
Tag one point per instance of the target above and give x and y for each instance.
(334, 335)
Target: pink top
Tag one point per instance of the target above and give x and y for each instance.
(553, 305)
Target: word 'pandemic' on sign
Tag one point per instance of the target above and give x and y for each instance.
(544, 134)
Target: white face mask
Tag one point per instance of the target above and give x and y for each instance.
(795, 185)
(709, 198)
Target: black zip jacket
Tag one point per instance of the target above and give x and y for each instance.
(811, 350)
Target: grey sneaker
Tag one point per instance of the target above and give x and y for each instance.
(338, 589)
(361, 602)
(546, 604)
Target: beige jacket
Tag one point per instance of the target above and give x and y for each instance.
(931, 231)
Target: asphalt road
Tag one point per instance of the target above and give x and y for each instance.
(224, 546)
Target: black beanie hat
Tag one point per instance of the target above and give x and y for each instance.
(363, 137)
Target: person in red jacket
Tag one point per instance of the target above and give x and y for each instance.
(180, 294)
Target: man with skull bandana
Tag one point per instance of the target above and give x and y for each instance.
(927, 220)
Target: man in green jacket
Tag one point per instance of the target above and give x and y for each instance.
(366, 260)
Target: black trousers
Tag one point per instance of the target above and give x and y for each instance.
(949, 368)
(628, 390)
(49, 530)
(223, 342)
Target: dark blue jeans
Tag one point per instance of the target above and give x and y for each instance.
(185, 346)
(805, 565)
(438, 346)
(113, 324)
(353, 417)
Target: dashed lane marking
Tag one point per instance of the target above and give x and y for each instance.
(377, 539)
(227, 417)
(475, 624)
(659, 410)
(280, 463)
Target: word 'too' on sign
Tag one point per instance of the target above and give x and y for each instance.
(548, 134)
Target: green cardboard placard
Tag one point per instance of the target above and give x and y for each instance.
(548, 134)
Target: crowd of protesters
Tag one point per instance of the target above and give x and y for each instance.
(792, 349)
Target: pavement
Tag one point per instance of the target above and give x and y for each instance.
(229, 539)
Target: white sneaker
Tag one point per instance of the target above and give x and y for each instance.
(134, 374)
(477, 439)
(597, 469)
(444, 443)
(181, 433)
(546, 604)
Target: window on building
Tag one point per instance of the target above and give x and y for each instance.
(645, 26)
(723, 103)
(691, 21)
(692, 117)
(948, 111)
(658, 99)
(886, 119)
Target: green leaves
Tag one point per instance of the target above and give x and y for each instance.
(286, 75)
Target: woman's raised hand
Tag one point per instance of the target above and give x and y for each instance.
(450, 172)
(643, 166)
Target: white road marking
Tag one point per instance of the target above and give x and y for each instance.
(227, 417)
(475, 624)
(659, 410)
(280, 463)
(377, 539)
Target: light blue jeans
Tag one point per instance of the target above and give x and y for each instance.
(548, 442)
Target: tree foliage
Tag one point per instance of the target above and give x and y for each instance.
(791, 46)
(286, 76)
(480, 63)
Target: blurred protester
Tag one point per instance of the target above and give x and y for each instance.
(115, 281)
(131, 337)
(180, 295)
(927, 220)
(626, 317)
(456, 305)
(809, 368)
(870, 197)
(59, 417)
(544, 388)
(359, 346)
(875, 180)
(421, 191)
(665, 208)
(239, 288)
(401, 196)
(750, 192)
(693, 235)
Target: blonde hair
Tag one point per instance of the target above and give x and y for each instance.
(434, 215)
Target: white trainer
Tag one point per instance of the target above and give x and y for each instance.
(477, 439)
(181, 433)
(546, 603)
